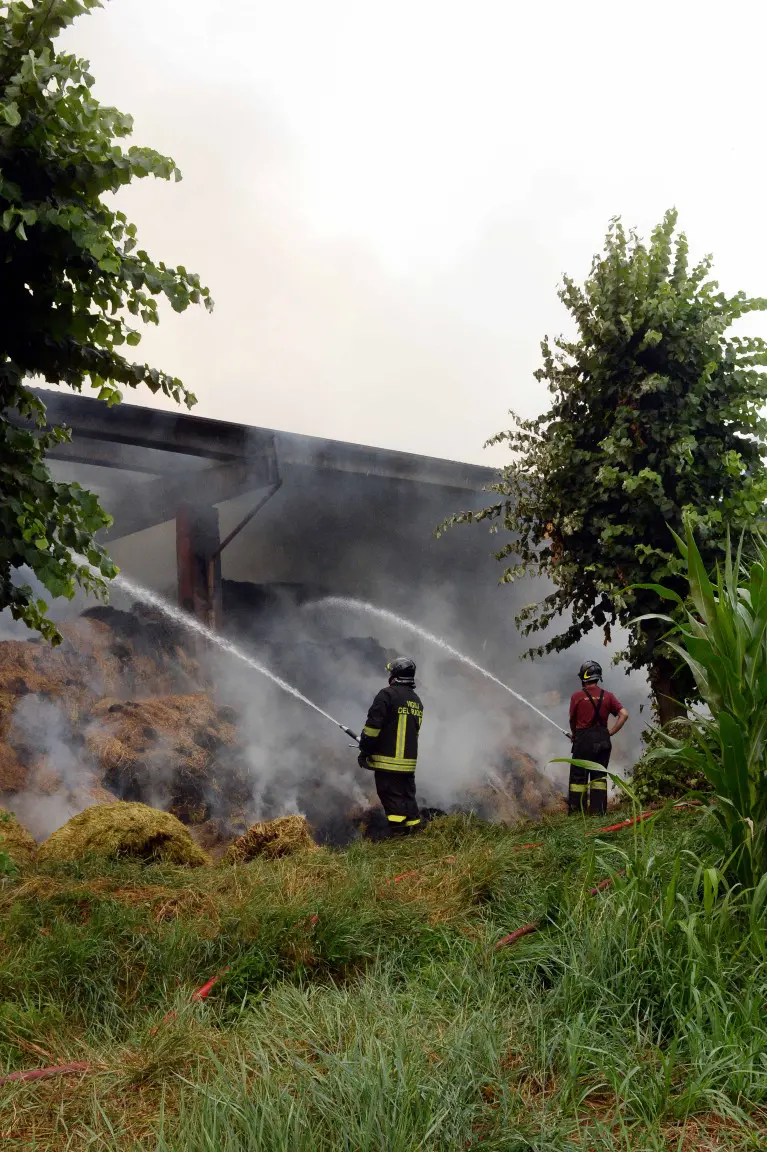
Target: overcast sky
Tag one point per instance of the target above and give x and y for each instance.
(383, 196)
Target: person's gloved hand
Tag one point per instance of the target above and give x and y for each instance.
(362, 760)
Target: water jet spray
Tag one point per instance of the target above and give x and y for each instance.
(392, 618)
(179, 617)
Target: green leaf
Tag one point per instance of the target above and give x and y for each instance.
(659, 590)
(11, 114)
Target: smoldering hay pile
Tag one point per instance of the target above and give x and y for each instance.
(177, 751)
(124, 710)
(117, 711)
(15, 841)
(272, 838)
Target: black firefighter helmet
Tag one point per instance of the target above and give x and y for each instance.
(403, 668)
(590, 671)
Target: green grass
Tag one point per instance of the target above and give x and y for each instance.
(632, 1020)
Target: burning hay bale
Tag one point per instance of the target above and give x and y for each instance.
(535, 792)
(515, 790)
(96, 715)
(123, 830)
(15, 840)
(150, 648)
(13, 774)
(272, 838)
(167, 750)
(91, 662)
(113, 656)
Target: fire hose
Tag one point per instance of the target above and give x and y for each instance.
(527, 929)
(46, 1073)
(623, 824)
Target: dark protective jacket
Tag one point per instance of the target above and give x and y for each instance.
(389, 740)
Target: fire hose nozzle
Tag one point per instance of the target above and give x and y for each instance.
(349, 732)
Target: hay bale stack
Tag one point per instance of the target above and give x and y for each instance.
(534, 791)
(165, 748)
(151, 649)
(492, 799)
(85, 666)
(515, 789)
(272, 838)
(13, 774)
(15, 840)
(120, 830)
(29, 669)
(95, 659)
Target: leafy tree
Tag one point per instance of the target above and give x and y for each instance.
(72, 278)
(655, 419)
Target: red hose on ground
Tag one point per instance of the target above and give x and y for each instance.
(45, 1073)
(603, 884)
(204, 992)
(644, 816)
(528, 928)
(519, 933)
(405, 876)
(623, 824)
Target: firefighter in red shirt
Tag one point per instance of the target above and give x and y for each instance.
(590, 709)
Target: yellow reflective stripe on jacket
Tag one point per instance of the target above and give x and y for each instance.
(371, 731)
(392, 763)
(399, 748)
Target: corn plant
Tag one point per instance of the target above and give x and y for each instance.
(723, 641)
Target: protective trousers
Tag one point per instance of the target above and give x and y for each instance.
(396, 791)
(588, 787)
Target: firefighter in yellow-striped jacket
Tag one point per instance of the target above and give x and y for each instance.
(389, 745)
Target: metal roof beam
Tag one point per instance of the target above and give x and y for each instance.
(156, 501)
